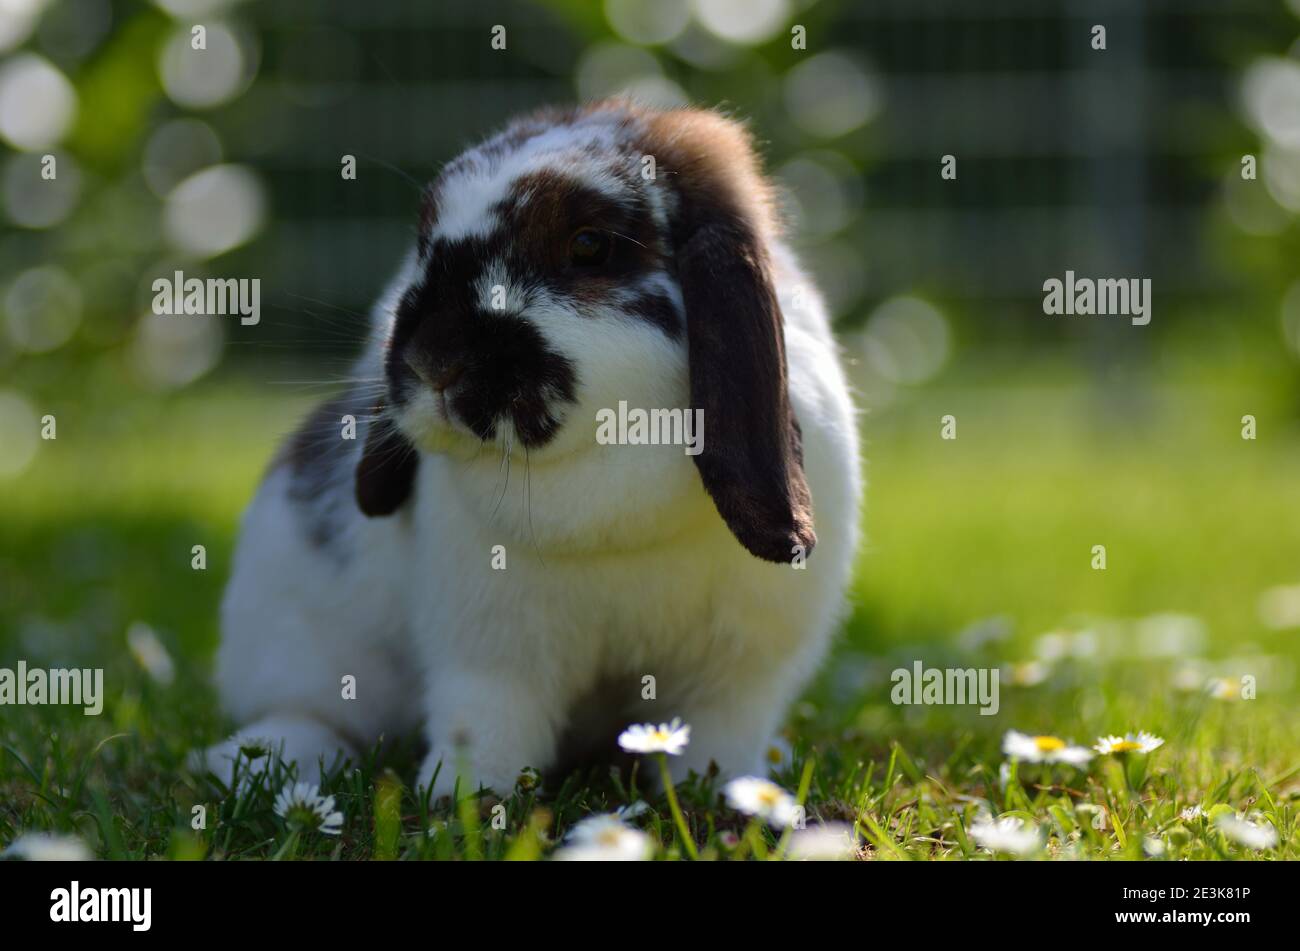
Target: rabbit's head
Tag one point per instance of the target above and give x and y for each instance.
(583, 259)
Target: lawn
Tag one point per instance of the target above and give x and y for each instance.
(979, 553)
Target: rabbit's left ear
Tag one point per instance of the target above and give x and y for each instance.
(752, 460)
(386, 471)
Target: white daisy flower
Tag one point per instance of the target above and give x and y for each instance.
(605, 838)
(1043, 749)
(1191, 676)
(1011, 835)
(1153, 847)
(302, 806)
(1030, 673)
(763, 798)
(670, 738)
(823, 843)
(1253, 835)
(1128, 743)
(1223, 688)
(1192, 813)
(45, 847)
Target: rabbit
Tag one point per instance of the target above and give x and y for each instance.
(476, 562)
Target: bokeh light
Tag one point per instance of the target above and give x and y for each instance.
(1170, 635)
(201, 79)
(906, 341)
(742, 21)
(214, 210)
(17, 20)
(37, 103)
(72, 29)
(1251, 208)
(42, 309)
(701, 49)
(607, 69)
(821, 191)
(830, 95)
(36, 202)
(1270, 91)
(169, 352)
(1281, 170)
(648, 23)
(1279, 607)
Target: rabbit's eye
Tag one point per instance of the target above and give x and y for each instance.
(589, 248)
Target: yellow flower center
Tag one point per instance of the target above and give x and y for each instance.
(1048, 744)
(659, 736)
(1125, 746)
(767, 797)
(608, 837)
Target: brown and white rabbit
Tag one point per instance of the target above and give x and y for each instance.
(477, 560)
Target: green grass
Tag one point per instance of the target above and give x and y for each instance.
(975, 549)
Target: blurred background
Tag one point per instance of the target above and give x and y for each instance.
(1072, 432)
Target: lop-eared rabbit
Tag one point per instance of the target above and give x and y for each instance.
(479, 564)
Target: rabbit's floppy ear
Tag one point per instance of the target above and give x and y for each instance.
(387, 467)
(752, 461)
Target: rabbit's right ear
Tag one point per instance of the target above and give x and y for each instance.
(386, 471)
(752, 463)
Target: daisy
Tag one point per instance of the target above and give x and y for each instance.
(1043, 749)
(1253, 835)
(1223, 688)
(1192, 813)
(668, 738)
(1010, 835)
(44, 847)
(605, 838)
(763, 798)
(823, 843)
(528, 778)
(1192, 676)
(1030, 673)
(302, 806)
(1128, 743)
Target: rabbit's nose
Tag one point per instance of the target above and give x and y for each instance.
(440, 378)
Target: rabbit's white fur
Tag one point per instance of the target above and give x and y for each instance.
(617, 566)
